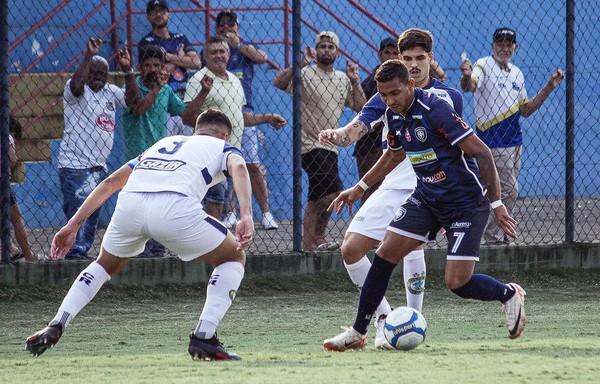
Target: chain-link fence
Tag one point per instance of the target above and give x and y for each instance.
(558, 199)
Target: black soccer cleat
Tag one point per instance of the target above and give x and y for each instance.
(40, 341)
(209, 349)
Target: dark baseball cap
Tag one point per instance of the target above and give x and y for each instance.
(387, 42)
(229, 14)
(156, 3)
(505, 34)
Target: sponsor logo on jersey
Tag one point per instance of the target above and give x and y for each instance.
(160, 164)
(436, 178)
(105, 122)
(516, 86)
(422, 158)
(414, 201)
(421, 134)
(460, 224)
(417, 117)
(399, 214)
(359, 218)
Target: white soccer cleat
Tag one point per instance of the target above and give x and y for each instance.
(514, 309)
(349, 339)
(268, 221)
(230, 220)
(380, 340)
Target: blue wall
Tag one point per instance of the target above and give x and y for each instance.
(456, 27)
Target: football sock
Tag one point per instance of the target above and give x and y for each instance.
(358, 273)
(83, 290)
(372, 292)
(220, 292)
(485, 288)
(414, 278)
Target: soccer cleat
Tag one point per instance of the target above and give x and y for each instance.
(380, 340)
(230, 220)
(349, 339)
(514, 309)
(268, 221)
(209, 349)
(39, 342)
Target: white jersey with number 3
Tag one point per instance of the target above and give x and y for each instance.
(184, 164)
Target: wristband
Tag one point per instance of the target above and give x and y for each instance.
(363, 185)
(496, 204)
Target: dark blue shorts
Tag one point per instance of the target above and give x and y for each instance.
(464, 228)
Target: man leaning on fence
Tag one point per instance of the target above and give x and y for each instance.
(90, 105)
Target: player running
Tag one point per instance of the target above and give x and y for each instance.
(161, 199)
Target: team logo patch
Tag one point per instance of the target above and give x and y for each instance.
(110, 106)
(399, 214)
(421, 134)
(416, 284)
(105, 122)
(516, 87)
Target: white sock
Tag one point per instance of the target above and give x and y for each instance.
(358, 274)
(83, 290)
(414, 278)
(220, 292)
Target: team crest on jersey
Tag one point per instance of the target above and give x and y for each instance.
(110, 106)
(105, 122)
(516, 86)
(421, 134)
(399, 214)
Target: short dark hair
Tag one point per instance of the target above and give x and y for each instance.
(215, 39)
(392, 69)
(215, 118)
(150, 52)
(387, 42)
(415, 37)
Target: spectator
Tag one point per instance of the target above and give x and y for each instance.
(226, 94)
(325, 93)
(242, 58)
(90, 104)
(180, 56)
(500, 100)
(368, 148)
(146, 120)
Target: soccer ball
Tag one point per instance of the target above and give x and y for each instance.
(405, 328)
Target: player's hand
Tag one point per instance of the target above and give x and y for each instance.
(62, 242)
(556, 77)
(507, 223)
(310, 54)
(277, 121)
(347, 197)
(327, 136)
(124, 59)
(244, 231)
(352, 72)
(93, 46)
(466, 68)
(232, 39)
(207, 83)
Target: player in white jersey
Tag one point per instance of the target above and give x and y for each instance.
(161, 199)
(371, 221)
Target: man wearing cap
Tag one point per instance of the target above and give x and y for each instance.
(325, 93)
(180, 56)
(500, 100)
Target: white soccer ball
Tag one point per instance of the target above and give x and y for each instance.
(405, 328)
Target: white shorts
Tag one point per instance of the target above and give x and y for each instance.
(172, 219)
(374, 216)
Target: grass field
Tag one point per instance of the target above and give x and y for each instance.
(139, 335)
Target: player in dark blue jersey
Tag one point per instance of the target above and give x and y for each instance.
(456, 179)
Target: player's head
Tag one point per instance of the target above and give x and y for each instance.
(98, 74)
(504, 44)
(216, 54)
(227, 21)
(415, 50)
(151, 59)
(395, 85)
(214, 123)
(157, 12)
(388, 50)
(327, 44)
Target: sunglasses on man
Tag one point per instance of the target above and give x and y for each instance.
(229, 23)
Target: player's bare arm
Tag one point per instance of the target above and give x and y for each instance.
(534, 104)
(473, 146)
(344, 136)
(244, 230)
(65, 237)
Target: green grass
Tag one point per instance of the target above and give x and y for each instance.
(139, 335)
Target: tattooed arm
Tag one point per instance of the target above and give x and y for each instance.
(346, 135)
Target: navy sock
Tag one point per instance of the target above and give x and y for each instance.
(485, 288)
(372, 292)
